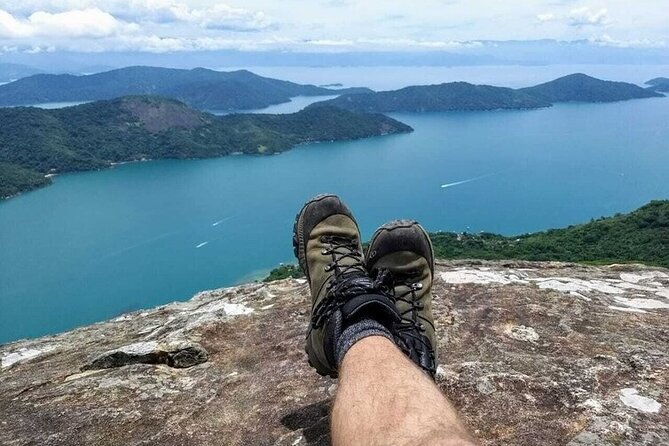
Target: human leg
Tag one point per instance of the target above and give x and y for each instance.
(383, 398)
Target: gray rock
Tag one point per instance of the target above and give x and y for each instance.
(182, 354)
(228, 367)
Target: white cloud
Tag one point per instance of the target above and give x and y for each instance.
(11, 28)
(421, 25)
(214, 15)
(545, 17)
(224, 17)
(91, 23)
(586, 17)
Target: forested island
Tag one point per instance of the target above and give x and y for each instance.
(640, 236)
(659, 84)
(463, 96)
(199, 88)
(35, 142)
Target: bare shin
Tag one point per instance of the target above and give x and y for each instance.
(383, 398)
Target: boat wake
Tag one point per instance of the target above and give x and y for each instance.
(201, 245)
(221, 221)
(469, 180)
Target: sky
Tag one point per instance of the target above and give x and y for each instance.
(160, 26)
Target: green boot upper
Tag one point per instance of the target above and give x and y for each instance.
(401, 250)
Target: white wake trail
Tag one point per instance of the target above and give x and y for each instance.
(469, 180)
(221, 221)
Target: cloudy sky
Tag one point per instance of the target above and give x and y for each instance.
(322, 25)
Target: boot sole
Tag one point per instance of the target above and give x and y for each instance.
(403, 224)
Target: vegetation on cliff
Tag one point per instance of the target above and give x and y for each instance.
(284, 272)
(95, 135)
(200, 88)
(462, 96)
(640, 236)
(15, 179)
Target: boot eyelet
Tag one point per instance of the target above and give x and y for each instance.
(421, 327)
(419, 286)
(327, 268)
(325, 252)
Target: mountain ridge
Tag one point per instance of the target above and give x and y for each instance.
(579, 87)
(463, 96)
(12, 71)
(198, 87)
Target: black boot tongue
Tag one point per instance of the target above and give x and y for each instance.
(371, 306)
(364, 301)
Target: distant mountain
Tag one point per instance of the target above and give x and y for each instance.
(462, 96)
(10, 71)
(199, 88)
(34, 142)
(443, 97)
(659, 84)
(583, 88)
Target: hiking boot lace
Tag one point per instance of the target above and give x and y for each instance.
(413, 324)
(350, 279)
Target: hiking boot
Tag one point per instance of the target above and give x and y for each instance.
(327, 245)
(400, 255)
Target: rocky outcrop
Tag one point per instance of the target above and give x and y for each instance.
(530, 353)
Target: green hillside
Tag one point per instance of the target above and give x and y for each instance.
(200, 88)
(454, 96)
(15, 179)
(97, 134)
(583, 88)
(462, 96)
(641, 236)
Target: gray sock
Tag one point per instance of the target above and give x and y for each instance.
(356, 332)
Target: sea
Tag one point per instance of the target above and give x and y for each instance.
(95, 245)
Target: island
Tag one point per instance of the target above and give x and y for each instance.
(12, 71)
(659, 84)
(583, 88)
(36, 142)
(463, 96)
(199, 88)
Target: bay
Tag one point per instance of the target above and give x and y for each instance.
(97, 244)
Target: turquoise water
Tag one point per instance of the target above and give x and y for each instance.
(296, 104)
(97, 244)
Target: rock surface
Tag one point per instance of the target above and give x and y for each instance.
(530, 353)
